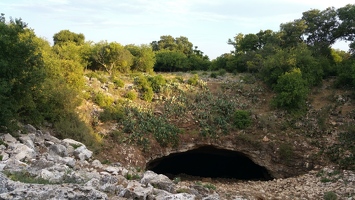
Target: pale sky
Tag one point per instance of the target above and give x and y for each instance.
(208, 24)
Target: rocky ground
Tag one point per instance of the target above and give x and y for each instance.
(37, 165)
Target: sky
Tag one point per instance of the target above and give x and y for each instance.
(208, 24)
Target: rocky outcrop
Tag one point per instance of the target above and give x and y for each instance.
(37, 165)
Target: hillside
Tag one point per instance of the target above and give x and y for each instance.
(182, 117)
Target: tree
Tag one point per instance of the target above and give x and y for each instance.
(167, 42)
(346, 28)
(292, 33)
(21, 71)
(144, 57)
(170, 61)
(322, 29)
(112, 57)
(65, 36)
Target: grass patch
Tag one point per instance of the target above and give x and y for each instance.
(25, 177)
(330, 196)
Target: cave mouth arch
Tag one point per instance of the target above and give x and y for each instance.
(209, 162)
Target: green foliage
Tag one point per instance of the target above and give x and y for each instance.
(222, 72)
(65, 36)
(118, 82)
(346, 77)
(139, 124)
(241, 119)
(330, 196)
(144, 58)
(157, 82)
(112, 113)
(26, 177)
(193, 80)
(112, 57)
(71, 126)
(291, 91)
(131, 95)
(170, 61)
(103, 100)
(213, 75)
(21, 73)
(144, 87)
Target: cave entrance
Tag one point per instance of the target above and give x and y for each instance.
(209, 161)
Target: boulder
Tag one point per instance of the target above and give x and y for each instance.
(82, 153)
(158, 181)
(21, 152)
(29, 128)
(27, 140)
(7, 138)
(58, 149)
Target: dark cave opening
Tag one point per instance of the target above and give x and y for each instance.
(209, 162)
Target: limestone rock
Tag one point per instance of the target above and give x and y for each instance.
(97, 164)
(82, 153)
(21, 152)
(58, 149)
(158, 181)
(7, 138)
(135, 190)
(30, 129)
(27, 140)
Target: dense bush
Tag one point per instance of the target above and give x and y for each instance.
(112, 113)
(144, 87)
(291, 91)
(193, 80)
(118, 82)
(157, 82)
(346, 77)
(241, 119)
(131, 95)
(103, 100)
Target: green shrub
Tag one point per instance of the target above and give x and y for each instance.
(241, 119)
(222, 72)
(157, 82)
(132, 95)
(193, 80)
(292, 91)
(330, 196)
(26, 177)
(148, 94)
(112, 113)
(118, 83)
(144, 87)
(103, 100)
(213, 75)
